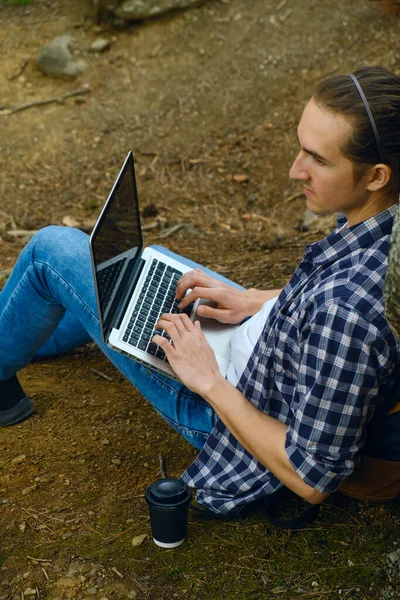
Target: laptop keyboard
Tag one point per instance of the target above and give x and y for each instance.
(157, 297)
(107, 279)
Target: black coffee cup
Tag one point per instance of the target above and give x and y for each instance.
(168, 501)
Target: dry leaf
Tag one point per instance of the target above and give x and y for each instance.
(240, 178)
(139, 539)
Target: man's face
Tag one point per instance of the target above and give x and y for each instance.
(327, 175)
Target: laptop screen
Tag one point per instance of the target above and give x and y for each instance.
(116, 238)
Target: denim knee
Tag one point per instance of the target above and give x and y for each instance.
(57, 240)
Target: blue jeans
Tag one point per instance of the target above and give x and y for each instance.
(48, 307)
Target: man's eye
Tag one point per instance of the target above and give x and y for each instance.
(319, 161)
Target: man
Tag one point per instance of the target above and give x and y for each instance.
(308, 369)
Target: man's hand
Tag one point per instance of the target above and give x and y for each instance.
(189, 354)
(231, 305)
(197, 277)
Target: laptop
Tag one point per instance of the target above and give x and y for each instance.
(135, 285)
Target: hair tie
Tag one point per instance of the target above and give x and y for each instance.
(369, 113)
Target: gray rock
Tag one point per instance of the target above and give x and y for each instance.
(142, 9)
(100, 45)
(55, 59)
(394, 557)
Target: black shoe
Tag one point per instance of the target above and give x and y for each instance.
(15, 406)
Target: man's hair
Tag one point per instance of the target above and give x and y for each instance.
(338, 94)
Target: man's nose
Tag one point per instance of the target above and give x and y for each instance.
(297, 170)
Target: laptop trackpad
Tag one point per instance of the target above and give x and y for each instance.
(219, 337)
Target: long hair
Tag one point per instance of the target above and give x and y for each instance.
(338, 94)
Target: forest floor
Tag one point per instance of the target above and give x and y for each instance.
(208, 99)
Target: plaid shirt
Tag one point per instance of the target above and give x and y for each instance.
(325, 359)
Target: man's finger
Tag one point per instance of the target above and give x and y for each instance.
(187, 281)
(160, 341)
(218, 314)
(192, 279)
(214, 294)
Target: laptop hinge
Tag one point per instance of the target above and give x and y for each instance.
(127, 285)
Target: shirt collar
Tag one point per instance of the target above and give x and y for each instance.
(342, 241)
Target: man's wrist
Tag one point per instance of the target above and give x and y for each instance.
(216, 389)
(257, 298)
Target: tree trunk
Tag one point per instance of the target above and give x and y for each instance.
(392, 283)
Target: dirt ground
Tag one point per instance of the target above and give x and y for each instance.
(208, 100)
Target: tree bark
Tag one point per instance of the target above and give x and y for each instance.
(392, 283)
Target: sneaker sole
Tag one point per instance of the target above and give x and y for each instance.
(17, 413)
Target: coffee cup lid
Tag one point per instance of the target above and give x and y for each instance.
(168, 491)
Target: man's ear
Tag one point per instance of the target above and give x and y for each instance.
(378, 177)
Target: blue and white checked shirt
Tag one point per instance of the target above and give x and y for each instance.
(325, 359)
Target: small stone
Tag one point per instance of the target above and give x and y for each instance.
(46, 479)
(132, 595)
(18, 459)
(92, 591)
(70, 221)
(22, 527)
(394, 557)
(29, 489)
(240, 178)
(30, 592)
(139, 10)
(100, 45)
(105, 442)
(116, 461)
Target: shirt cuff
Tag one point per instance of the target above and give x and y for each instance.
(314, 473)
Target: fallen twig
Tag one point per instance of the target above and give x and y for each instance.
(17, 233)
(154, 224)
(117, 535)
(285, 15)
(106, 377)
(20, 69)
(174, 228)
(34, 516)
(45, 560)
(61, 98)
(116, 572)
(163, 469)
(294, 196)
